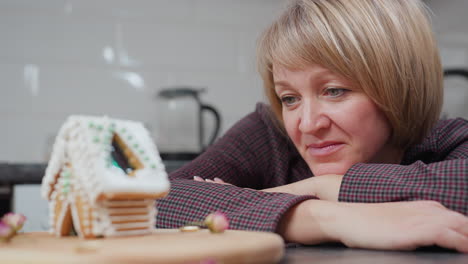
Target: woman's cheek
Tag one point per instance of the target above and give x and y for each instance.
(290, 126)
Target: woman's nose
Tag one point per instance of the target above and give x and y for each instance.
(313, 119)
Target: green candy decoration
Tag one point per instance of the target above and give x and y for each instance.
(115, 164)
(108, 137)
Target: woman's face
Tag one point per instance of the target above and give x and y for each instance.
(332, 123)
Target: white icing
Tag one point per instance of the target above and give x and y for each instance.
(76, 220)
(141, 182)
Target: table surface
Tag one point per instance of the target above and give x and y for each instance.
(169, 246)
(338, 254)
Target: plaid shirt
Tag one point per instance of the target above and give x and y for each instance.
(254, 154)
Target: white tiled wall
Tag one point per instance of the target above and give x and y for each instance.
(62, 57)
(451, 26)
(27, 201)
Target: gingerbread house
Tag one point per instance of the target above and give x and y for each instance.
(103, 178)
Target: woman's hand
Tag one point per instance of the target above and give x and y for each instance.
(387, 226)
(215, 180)
(325, 187)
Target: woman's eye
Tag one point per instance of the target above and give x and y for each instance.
(335, 92)
(288, 100)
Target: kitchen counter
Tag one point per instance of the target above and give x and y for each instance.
(21, 173)
(12, 174)
(31, 173)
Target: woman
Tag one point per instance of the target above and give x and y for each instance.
(352, 150)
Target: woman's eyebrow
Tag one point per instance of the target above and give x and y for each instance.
(281, 84)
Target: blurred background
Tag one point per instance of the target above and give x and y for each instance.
(112, 57)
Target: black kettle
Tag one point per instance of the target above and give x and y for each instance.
(181, 125)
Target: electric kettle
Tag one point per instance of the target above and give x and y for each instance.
(181, 123)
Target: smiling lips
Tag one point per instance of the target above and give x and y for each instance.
(324, 149)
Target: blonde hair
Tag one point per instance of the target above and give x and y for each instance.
(386, 47)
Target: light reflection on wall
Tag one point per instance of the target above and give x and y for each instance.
(31, 78)
(108, 54)
(134, 79)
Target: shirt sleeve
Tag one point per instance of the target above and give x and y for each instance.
(244, 157)
(439, 172)
(246, 209)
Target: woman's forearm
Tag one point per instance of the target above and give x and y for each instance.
(389, 226)
(304, 223)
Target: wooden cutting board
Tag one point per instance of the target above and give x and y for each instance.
(164, 246)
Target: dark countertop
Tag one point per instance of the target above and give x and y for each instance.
(12, 174)
(21, 173)
(338, 254)
(32, 173)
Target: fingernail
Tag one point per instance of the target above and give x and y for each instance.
(218, 179)
(197, 178)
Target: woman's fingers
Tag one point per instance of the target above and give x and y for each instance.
(460, 224)
(461, 233)
(441, 227)
(444, 228)
(455, 236)
(399, 226)
(463, 228)
(198, 178)
(215, 180)
(453, 240)
(218, 180)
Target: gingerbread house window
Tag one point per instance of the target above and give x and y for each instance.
(123, 157)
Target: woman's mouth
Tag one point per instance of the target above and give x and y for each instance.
(324, 149)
